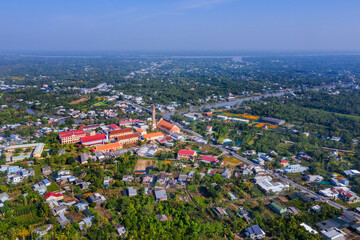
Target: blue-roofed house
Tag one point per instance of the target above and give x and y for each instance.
(255, 232)
(81, 205)
(46, 182)
(86, 222)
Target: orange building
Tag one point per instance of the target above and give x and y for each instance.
(108, 147)
(167, 127)
(153, 136)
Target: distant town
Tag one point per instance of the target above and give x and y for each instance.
(104, 161)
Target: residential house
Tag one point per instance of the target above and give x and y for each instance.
(182, 178)
(226, 173)
(162, 178)
(53, 196)
(333, 234)
(188, 155)
(42, 231)
(86, 222)
(348, 196)
(62, 220)
(131, 192)
(161, 217)
(147, 178)
(208, 159)
(46, 170)
(96, 198)
(177, 136)
(160, 195)
(120, 230)
(219, 211)
(84, 157)
(127, 178)
(60, 209)
(242, 212)
(314, 178)
(295, 169)
(255, 232)
(81, 205)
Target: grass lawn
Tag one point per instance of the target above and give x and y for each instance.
(192, 187)
(53, 188)
(201, 201)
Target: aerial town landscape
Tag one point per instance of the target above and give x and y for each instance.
(96, 159)
(179, 120)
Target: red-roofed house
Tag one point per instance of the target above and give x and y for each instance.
(114, 127)
(208, 159)
(93, 140)
(54, 196)
(186, 154)
(71, 136)
(167, 127)
(284, 162)
(348, 196)
(166, 139)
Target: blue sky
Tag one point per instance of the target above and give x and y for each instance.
(127, 25)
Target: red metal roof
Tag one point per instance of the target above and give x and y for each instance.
(72, 132)
(93, 138)
(51, 194)
(187, 152)
(209, 159)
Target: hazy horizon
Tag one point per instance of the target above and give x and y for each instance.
(172, 26)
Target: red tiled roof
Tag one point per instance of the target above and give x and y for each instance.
(209, 159)
(70, 133)
(134, 135)
(93, 138)
(124, 130)
(49, 194)
(164, 124)
(187, 152)
(284, 161)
